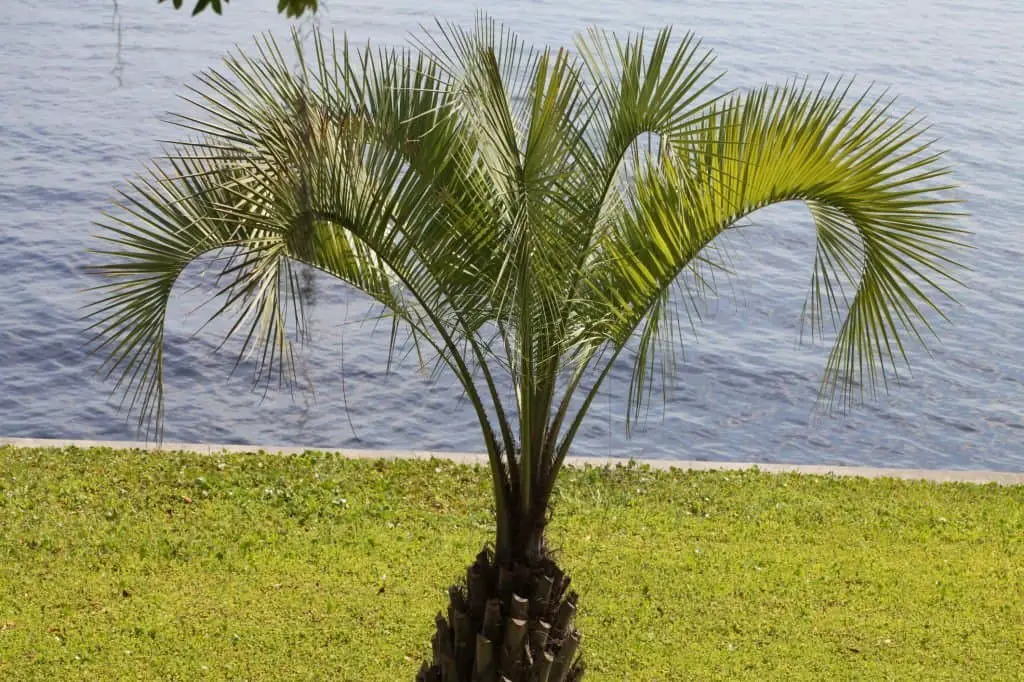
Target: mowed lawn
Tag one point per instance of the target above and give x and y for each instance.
(125, 565)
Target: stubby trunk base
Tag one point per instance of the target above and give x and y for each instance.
(507, 624)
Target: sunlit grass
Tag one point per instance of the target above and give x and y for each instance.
(127, 565)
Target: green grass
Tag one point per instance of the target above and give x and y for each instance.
(126, 565)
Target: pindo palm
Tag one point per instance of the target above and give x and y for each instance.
(530, 218)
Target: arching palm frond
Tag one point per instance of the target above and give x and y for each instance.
(353, 164)
(873, 185)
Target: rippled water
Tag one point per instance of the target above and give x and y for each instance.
(76, 119)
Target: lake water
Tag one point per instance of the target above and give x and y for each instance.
(78, 117)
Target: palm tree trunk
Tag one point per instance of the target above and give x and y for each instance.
(511, 622)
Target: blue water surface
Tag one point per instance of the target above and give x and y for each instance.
(79, 115)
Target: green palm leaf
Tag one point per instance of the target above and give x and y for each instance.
(883, 217)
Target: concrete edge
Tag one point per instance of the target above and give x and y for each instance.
(936, 475)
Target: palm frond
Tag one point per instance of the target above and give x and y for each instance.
(286, 174)
(883, 216)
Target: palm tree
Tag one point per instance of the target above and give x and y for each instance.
(530, 217)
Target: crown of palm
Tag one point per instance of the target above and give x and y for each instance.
(524, 213)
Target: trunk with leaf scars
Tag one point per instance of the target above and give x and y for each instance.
(510, 622)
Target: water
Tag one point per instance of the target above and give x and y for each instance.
(76, 120)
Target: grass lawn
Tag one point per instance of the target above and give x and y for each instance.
(127, 565)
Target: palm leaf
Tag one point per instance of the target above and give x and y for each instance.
(874, 186)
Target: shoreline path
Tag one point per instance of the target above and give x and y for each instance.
(935, 475)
